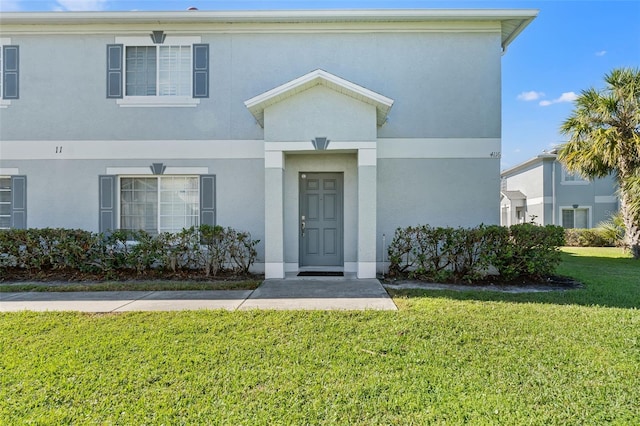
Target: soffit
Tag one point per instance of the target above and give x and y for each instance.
(257, 104)
(511, 22)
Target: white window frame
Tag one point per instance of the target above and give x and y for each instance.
(4, 103)
(563, 208)
(156, 101)
(148, 175)
(579, 180)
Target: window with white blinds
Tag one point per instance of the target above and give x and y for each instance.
(159, 204)
(158, 71)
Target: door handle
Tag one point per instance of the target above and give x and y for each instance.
(303, 225)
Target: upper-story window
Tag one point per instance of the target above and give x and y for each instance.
(143, 72)
(158, 71)
(9, 72)
(573, 178)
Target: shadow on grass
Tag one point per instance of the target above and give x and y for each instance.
(608, 281)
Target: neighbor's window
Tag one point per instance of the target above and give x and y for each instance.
(575, 218)
(569, 177)
(159, 204)
(5, 202)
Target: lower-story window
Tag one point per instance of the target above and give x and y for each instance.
(159, 204)
(5, 202)
(575, 218)
(13, 202)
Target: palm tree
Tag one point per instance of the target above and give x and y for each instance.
(604, 138)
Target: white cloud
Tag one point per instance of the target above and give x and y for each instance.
(601, 53)
(565, 97)
(82, 5)
(530, 96)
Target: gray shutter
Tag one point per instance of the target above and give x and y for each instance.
(10, 71)
(200, 70)
(19, 202)
(107, 211)
(208, 200)
(115, 70)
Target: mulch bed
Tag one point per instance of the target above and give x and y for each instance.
(518, 285)
(61, 275)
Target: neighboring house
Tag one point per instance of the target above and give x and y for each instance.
(317, 131)
(541, 190)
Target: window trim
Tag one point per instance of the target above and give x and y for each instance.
(156, 101)
(118, 206)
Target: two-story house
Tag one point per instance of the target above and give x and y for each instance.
(317, 131)
(541, 190)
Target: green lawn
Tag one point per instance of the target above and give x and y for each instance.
(445, 357)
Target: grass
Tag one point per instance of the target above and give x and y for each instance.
(611, 278)
(488, 358)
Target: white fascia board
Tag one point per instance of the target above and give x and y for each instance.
(520, 167)
(257, 104)
(277, 16)
(512, 22)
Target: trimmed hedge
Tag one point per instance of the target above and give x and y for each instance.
(469, 254)
(594, 237)
(210, 249)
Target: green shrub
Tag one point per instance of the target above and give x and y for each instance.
(467, 254)
(47, 248)
(594, 237)
(210, 249)
(613, 229)
(531, 251)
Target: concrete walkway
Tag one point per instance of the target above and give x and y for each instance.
(293, 294)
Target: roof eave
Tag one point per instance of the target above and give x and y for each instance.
(537, 159)
(506, 40)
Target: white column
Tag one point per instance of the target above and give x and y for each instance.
(274, 214)
(367, 211)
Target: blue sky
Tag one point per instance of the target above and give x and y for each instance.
(568, 48)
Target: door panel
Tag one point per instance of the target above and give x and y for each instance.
(321, 217)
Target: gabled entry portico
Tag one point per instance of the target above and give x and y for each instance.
(295, 116)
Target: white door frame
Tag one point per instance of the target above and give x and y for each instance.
(275, 203)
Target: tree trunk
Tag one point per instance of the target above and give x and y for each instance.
(631, 227)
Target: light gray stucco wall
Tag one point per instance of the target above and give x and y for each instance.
(444, 84)
(320, 112)
(437, 192)
(586, 195)
(64, 193)
(530, 181)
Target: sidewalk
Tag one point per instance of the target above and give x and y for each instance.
(292, 294)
